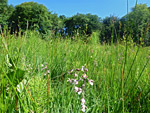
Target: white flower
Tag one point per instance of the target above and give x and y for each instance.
(70, 71)
(82, 101)
(82, 69)
(48, 71)
(84, 75)
(42, 65)
(75, 75)
(76, 89)
(69, 80)
(42, 69)
(83, 108)
(79, 91)
(86, 69)
(45, 67)
(45, 73)
(75, 82)
(91, 82)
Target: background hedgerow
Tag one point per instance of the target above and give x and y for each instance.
(35, 16)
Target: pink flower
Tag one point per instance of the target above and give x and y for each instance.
(48, 71)
(86, 69)
(82, 101)
(70, 71)
(83, 108)
(42, 69)
(82, 69)
(84, 75)
(69, 80)
(76, 89)
(42, 65)
(45, 67)
(79, 91)
(75, 75)
(91, 82)
(45, 74)
(75, 82)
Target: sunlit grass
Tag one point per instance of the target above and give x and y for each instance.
(105, 65)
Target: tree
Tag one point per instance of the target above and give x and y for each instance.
(31, 15)
(62, 17)
(83, 24)
(3, 5)
(5, 12)
(94, 23)
(76, 23)
(138, 20)
(109, 29)
(56, 23)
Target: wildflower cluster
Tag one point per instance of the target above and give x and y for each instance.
(45, 69)
(83, 78)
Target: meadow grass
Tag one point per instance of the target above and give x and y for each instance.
(115, 89)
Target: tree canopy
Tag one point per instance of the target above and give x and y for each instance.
(109, 29)
(83, 24)
(138, 21)
(31, 15)
(34, 16)
(5, 12)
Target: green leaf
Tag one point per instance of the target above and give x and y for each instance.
(16, 76)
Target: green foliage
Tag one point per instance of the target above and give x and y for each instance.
(82, 24)
(31, 15)
(34, 16)
(11, 75)
(62, 17)
(5, 12)
(57, 23)
(105, 63)
(138, 21)
(94, 23)
(11, 78)
(109, 29)
(3, 6)
(135, 24)
(140, 17)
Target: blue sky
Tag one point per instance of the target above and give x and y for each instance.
(102, 8)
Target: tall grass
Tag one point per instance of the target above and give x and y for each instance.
(116, 89)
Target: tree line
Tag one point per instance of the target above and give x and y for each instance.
(34, 16)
